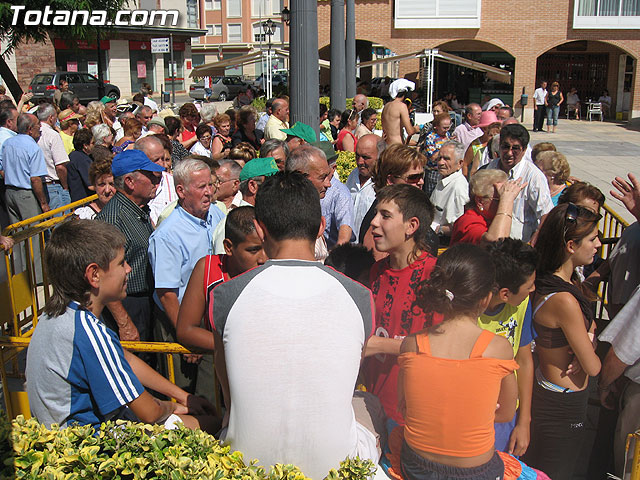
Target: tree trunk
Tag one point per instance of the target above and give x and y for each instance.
(10, 80)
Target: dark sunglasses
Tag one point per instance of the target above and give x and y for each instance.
(413, 178)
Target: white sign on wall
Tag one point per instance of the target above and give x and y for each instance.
(159, 45)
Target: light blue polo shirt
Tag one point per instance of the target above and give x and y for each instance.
(178, 243)
(22, 159)
(5, 133)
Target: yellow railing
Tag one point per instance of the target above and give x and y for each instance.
(16, 400)
(611, 227)
(26, 287)
(635, 462)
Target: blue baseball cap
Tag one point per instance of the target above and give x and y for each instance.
(132, 160)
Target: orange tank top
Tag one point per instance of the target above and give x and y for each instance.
(450, 404)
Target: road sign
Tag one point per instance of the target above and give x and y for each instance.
(160, 45)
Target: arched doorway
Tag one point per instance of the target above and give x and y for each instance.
(472, 85)
(591, 67)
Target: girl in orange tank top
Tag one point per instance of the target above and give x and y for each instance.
(454, 375)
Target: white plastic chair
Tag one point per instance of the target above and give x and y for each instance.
(595, 109)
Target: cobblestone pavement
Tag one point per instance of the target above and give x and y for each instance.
(597, 152)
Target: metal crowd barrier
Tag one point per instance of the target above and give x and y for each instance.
(611, 227)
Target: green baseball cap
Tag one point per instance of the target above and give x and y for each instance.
(303, 131)
(327, 149)
(258, 167)
(106, 100)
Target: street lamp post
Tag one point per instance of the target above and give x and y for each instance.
(268, 28)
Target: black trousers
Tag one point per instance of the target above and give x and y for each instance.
(538, 117)
(557, 431)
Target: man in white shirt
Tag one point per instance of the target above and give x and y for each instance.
(360, 184)
(534, 202)
(468, 131)
(278, 120)
(452, 191)
(55, 157)
(539, 110)
(143, 115)
(147, 91)
(295, 341)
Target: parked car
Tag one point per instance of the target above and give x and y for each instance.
(222, 88)
(84, 85)
(277, 79)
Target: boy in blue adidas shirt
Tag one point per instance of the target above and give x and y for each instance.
(509, 315)
(77, 370)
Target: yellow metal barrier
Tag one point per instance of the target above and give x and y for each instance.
(23, 293)
(611, 227)
(635, 463)
(17, 402)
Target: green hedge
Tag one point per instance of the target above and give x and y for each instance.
(345, 164)
(374, 102)
(125, 450)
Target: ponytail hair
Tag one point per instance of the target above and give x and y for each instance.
(463, 276)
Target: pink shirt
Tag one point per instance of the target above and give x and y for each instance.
(466, 134)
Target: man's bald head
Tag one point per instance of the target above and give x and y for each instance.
(152, 147)
(280, 109)
(360, 102)
(368, 151)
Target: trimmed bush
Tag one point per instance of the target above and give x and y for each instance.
(345, 164)
(374, 102)
(125, 450)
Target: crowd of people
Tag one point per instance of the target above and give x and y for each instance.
(232, 234)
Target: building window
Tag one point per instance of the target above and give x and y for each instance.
(192, 13)
(260, 37)
(212, 4)
(234, 8)
(214, 30)
(609, 14)
(234, 33)
(437, 13)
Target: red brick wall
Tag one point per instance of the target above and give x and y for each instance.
(507, 24)
(33, 58)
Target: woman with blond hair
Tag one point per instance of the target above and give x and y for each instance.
(556, 168)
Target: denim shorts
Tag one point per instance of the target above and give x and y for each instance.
(415, 467)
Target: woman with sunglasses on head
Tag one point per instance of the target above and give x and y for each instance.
(346, 139)
(563, 320)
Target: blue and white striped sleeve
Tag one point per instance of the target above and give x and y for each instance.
(108, 374)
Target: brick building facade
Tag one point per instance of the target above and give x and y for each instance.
(535, 35)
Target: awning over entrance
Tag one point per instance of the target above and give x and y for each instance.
(493, 72)
(213, 68)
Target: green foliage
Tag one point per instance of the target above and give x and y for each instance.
(14, 35)
(345, 164)
(125, 450)
(260, 103)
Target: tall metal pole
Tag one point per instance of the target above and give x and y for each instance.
(269, 71)
(304, 85)
(173, 73)
(338, 76)
(350, 49)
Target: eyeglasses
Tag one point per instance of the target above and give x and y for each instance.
(152, 178)
(220, 182)
(514, 148)
(413, 178)
(205, 137)
(572, 213)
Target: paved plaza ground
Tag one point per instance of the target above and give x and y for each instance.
(597, 152)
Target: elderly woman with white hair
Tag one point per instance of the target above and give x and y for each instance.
(102, 135)
(208, 112)
(489, 213)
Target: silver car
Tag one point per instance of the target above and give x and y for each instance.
(222, 88)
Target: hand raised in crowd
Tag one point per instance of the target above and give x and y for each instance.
(510, 190)
(629, 193)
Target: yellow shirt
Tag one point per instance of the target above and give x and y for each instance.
(273, 129)
(67, 140)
